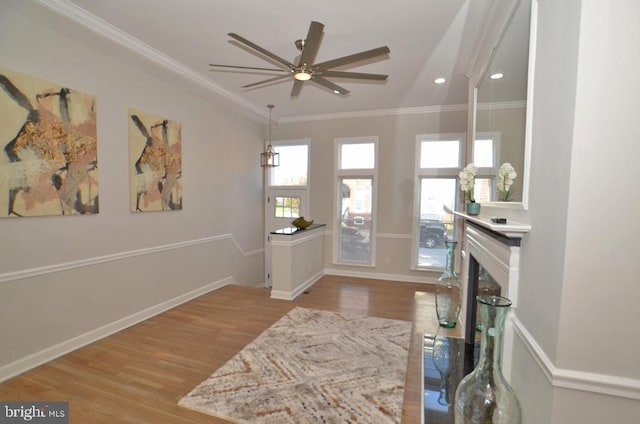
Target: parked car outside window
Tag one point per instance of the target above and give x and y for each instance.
(432, 234)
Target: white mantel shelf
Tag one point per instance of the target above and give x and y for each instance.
(511, 229)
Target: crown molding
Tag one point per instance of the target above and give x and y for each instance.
(108, 31)
(114, 34)
(421, 110)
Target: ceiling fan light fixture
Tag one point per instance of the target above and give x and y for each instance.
(306, 68)
(302, 75)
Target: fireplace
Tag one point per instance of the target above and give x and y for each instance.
(492, 256)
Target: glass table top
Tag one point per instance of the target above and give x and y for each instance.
(446, 360)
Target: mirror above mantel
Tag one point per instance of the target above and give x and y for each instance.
(501, 116)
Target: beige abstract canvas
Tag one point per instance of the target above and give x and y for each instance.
(155, 162)
(49, 159)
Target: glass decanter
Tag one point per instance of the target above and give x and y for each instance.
(448, 291)
(484, 396)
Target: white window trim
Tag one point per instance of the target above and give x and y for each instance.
(420, 173)
(355, 173)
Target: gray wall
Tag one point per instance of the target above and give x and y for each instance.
(82, 276)
(396, 173)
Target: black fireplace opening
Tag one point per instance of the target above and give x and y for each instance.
(480, 283)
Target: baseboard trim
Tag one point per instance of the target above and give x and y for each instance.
(66, 266)
(285, 295)
(29, 362)
(576, 380)
(379, 276)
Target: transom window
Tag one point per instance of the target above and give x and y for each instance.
(440, 154)
(358, 156)
(293, 169)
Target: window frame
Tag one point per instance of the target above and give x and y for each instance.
(488, 172)
(367, 173)
(444, 172)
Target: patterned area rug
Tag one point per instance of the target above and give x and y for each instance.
(312, 366)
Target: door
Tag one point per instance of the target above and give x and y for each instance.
(286, 194)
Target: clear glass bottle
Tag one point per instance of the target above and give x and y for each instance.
(486, 286)
(446, 356)
(484, 396)
(448, 291)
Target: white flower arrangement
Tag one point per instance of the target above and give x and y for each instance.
(506, 175)
(467, 180)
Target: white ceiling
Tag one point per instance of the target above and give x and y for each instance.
(427, 39)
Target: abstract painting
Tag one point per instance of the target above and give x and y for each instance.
(155, 163)
(49, 158)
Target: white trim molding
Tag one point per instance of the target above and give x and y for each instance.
(585, 381)
(66, 266)
(116, 35)
(108, 31)
(379, 276)
(375, 113)
(294, 241)
(290, 295)
(31, 361)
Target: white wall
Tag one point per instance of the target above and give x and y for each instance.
(69, 276)
(579, 359)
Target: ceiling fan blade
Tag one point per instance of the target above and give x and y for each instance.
(311, 44)
(297, 86)
(341, 74)
(279, 77)
(326, 83)
(261, 50)
(380, 51)
(247, 67)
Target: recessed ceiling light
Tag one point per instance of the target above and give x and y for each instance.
(439, 80)
(336, 91)
(497, 75)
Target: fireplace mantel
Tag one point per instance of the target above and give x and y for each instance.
(510, 229)
(495, 247)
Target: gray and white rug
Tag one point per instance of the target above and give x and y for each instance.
(312, 366)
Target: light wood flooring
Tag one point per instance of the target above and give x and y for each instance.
(138, 375)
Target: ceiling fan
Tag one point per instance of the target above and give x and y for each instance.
(306, 69)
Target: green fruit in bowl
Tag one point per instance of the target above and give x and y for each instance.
(301, 223)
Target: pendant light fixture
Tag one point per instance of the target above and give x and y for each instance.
(269, 158)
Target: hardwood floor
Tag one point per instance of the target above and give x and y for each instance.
(139, 374)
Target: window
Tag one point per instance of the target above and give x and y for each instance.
(355, 193)
(437, 168)
(440, 154)
(293, 169)
(357, 156)
(485, 157)
(287, 207)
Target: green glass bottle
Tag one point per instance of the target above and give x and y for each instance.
(448, 291)
(485, 396)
